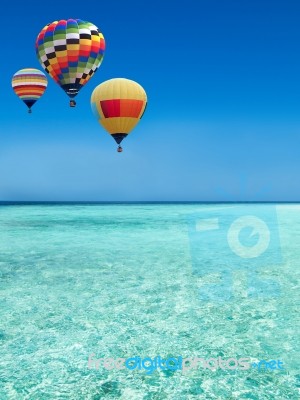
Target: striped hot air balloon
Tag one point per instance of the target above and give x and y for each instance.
(118, 105)
(70, 51)
(29, 85)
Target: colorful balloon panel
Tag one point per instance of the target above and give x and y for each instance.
(29, 84)
(118, 105)
(71, 51)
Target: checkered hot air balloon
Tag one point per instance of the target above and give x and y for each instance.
(118, 105)
(70, 51)
(29, 84)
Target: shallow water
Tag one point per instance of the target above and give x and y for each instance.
(137, 280)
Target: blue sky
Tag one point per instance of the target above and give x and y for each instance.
(223, 118)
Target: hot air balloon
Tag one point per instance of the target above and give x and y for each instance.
(118, 105)
(29, 85)
(70, 51)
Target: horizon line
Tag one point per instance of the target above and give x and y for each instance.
(29, 202)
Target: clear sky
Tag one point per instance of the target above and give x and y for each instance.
(223, 115)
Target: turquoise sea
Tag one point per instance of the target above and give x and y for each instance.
(124, 280)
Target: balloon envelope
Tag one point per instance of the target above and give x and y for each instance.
(118, 105)
(70, 51)
(29, 84)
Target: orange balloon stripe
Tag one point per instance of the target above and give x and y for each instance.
(29, 86)
(121, 108)
(28, 92)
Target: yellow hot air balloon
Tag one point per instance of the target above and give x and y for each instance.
(118, 105)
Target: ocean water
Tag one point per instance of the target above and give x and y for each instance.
(124, 280)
